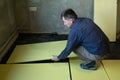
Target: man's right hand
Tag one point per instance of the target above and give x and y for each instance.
(55, 58)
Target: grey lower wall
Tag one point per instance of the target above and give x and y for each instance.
(8, 29)
(22, 15)
(45, 18)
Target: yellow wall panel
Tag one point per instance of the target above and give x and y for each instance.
(105, 12)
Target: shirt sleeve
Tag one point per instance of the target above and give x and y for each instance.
(71, 43)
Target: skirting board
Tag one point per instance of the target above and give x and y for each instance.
(8, 44)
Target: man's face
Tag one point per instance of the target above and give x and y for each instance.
(67, 22)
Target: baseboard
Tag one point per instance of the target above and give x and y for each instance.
(8, 44)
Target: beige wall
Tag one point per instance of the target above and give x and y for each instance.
(118, 19)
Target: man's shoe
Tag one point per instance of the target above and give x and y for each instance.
(89, 66)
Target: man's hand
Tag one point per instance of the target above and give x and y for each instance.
(55, 58)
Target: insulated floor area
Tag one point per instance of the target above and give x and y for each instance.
(33, 62)
(37, 51)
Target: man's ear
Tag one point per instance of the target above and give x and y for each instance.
(72, 20)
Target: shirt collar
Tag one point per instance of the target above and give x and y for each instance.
(78, 20)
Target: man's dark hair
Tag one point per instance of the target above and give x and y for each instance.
(68, 14)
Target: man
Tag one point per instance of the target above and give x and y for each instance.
(85, 38)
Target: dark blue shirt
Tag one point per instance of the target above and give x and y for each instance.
(84, 32)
